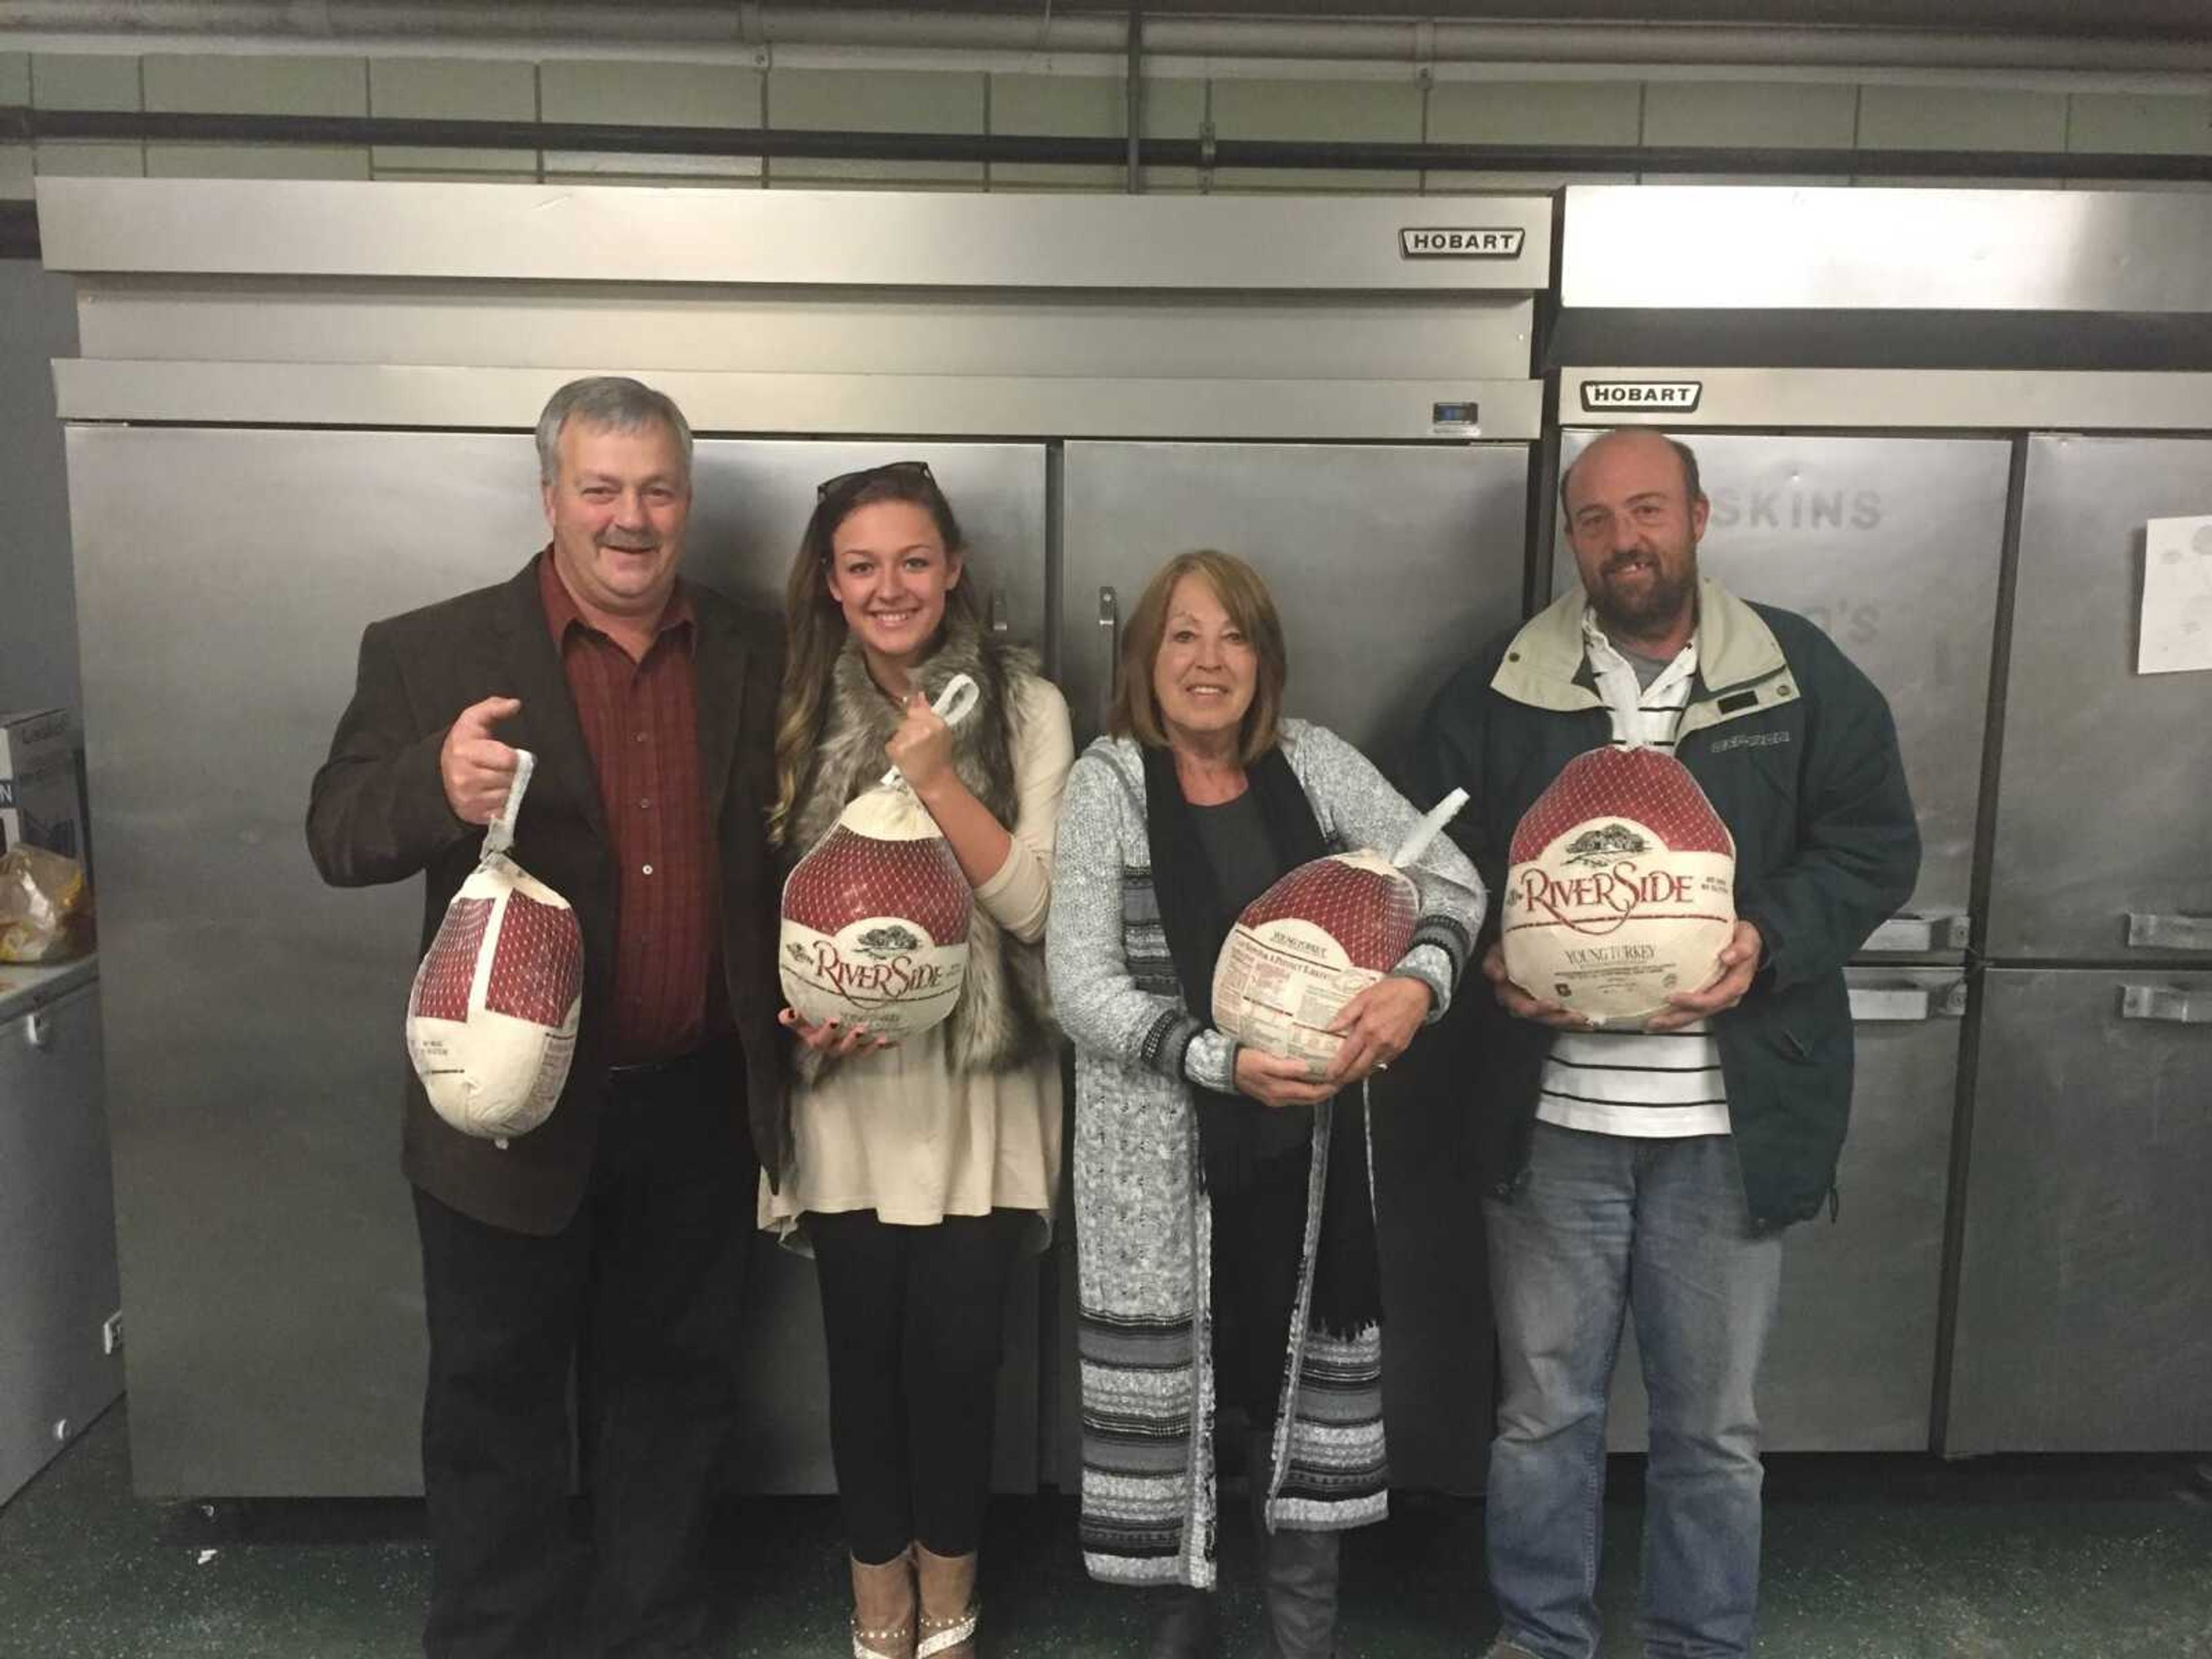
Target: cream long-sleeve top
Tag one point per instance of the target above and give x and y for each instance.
(897, 1131)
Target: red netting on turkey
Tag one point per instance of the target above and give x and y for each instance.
(876, 916)
(1317, 938)
(491, 1020)
(1622, 890)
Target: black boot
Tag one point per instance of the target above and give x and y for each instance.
(1191, 1626)
(1297, 1574)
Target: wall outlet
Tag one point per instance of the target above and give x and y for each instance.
(110, 1333)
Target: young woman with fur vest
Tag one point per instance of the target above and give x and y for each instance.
(918, 1169)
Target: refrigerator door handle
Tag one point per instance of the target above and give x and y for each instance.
(1889, 1002)
(2170, 1005)
(1892, 1003)
(1109, 624)
(2169, 932)
(1916, 933)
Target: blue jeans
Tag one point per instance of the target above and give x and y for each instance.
(1659, 1226)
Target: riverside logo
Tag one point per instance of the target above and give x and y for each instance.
(1607, 397)
(1462, 242)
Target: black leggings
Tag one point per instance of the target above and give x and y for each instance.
(915, 1318)
(1259, 1243)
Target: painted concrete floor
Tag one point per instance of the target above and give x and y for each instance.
(1867, 1557)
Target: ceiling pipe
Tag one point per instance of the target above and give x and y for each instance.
(19, 124)
(325, 24)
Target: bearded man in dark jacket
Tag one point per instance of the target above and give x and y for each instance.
(1653, 1170)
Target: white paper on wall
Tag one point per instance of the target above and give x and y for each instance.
(2177, 602)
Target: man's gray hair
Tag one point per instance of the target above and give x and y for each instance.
(607, 402)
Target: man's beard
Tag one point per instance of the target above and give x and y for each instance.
(1649, 614)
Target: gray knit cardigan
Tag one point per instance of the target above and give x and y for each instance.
(1143, 1223)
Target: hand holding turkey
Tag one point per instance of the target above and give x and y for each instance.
(1519, 1004)
(832, 1038)
(1378, 1025)
(921, 747)
(1274, 1080)
(475, 768)
(1738, 961)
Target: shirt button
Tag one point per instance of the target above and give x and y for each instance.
(647, 869)
(640, 737)
(645, 804)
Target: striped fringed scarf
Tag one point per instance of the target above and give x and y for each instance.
(1148, 1508)
(1331, 1471)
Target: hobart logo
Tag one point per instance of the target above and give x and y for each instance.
(1462, 242)
(1603, 396)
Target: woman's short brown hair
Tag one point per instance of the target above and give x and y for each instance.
(1135, 713)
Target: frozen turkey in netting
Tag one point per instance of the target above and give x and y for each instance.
(1317, 938)
(491, 1021)
(1622, 887)
(876, 916)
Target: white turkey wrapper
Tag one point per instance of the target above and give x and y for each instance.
(492, 1016)
(1622, 888)
(875, 917)
(1317, 938)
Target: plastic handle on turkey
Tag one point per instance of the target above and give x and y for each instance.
(1623, 707)
(953, 705)
(1417, 840)
(500, 835)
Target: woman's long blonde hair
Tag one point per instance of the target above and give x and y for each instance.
(814, 629)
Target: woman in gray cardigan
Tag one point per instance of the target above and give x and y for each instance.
(1224, 1220)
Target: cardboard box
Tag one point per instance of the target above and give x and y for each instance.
(40, 802)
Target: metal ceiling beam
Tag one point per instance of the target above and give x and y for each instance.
(19, 124)
(2143, 39)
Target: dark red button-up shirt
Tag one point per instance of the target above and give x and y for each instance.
(641, 721)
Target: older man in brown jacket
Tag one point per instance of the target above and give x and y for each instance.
(614, 1236)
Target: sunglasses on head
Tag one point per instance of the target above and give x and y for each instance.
(827, 487)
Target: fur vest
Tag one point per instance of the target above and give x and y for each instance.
(1002, 1020)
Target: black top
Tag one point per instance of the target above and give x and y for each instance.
(1236, 843)
(1244, 867)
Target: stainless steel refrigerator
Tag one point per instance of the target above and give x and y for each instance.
(2085, 1270)
(2057, 340)
(302, 407)
(1894, 546)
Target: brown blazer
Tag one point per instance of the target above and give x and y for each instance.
(378, 813)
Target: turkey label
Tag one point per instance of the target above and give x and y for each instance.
(1307, 946)
(875, 921)
(875, 917)
(1316, 939)
(1622, 890)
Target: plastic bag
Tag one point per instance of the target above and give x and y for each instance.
(875, 916)
(491, 1020)
(1622, 888)
(46, 908)
(1317, 938)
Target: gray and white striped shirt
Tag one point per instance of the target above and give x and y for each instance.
(1637, 1082)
